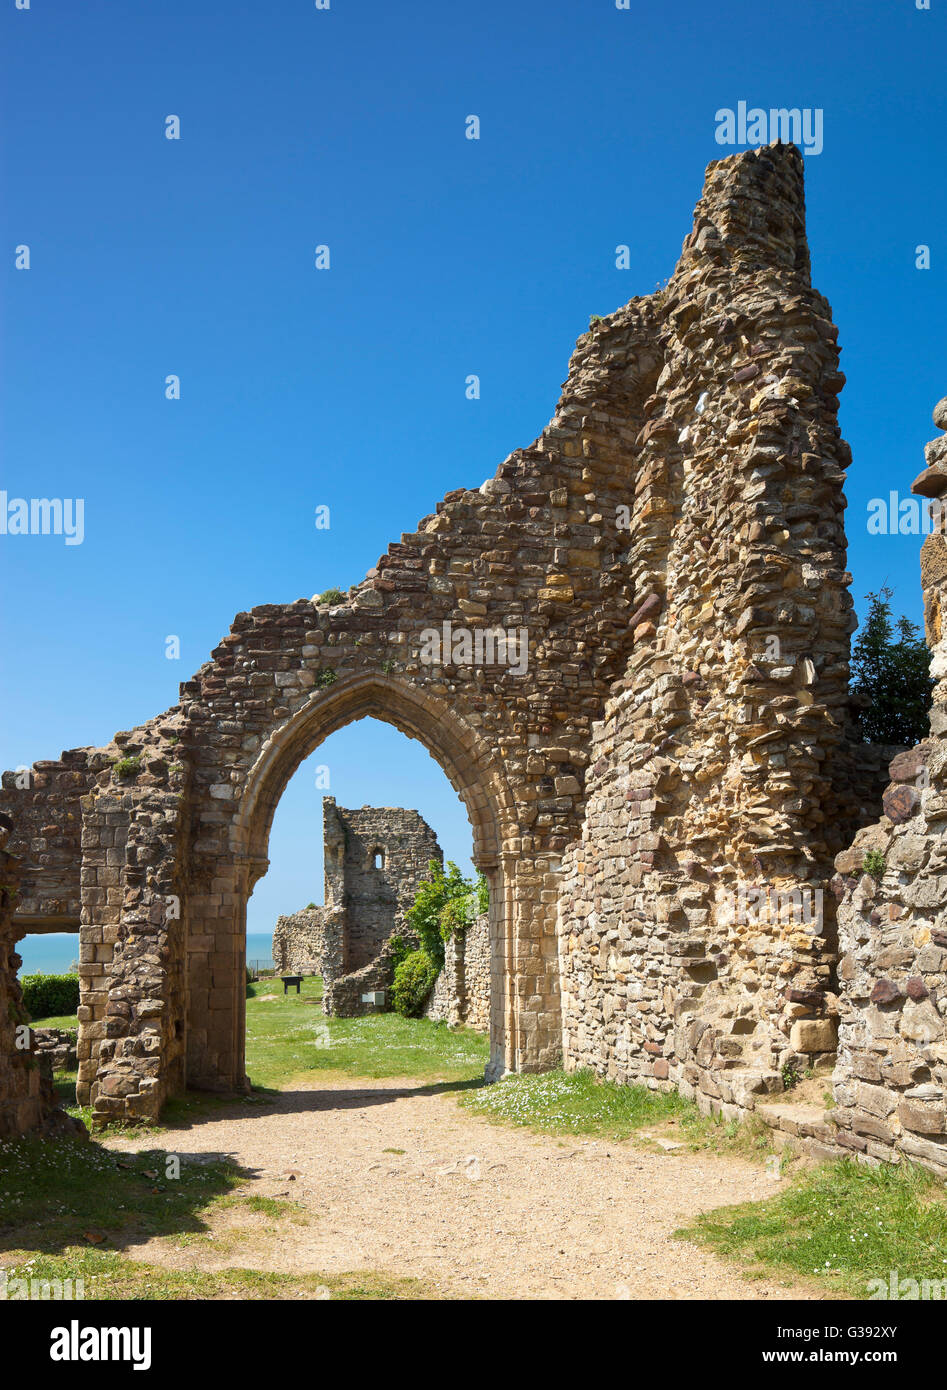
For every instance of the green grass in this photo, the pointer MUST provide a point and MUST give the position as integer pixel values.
(107, 1275)
(558, 1102)
(290, 1037)
(842, 1224)
(56, 1021)
(59, 1192)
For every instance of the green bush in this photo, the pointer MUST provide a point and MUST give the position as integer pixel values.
(126, 768)
(445, 903)
(330, 596)
(45, 996)
(413, 982)
(399, 948)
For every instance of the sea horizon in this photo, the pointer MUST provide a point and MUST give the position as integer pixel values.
(55, 953)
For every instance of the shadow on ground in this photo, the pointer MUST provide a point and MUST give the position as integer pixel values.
(59, 1193)
(198, 1107)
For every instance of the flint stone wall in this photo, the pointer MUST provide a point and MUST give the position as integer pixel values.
(461, 993)
(299, 941)
(890, 1084)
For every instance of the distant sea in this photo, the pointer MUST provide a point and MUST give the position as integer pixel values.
(53, 954)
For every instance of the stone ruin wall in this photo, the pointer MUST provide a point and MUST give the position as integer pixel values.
(130, 900)
(673, 542)
(374, 901)
(461, 993)
(712, 769)
(299, 942)
(364, 905)
(891, 1080)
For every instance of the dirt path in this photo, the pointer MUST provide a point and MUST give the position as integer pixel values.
(473, 1209)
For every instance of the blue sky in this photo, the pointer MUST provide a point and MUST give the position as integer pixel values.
(345, 387)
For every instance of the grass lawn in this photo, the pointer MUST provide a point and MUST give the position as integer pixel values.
(108, 1275)
(842, 1223)
(290, 1037)
(57, 1021)
(558, 1102)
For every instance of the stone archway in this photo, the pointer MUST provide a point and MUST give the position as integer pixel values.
(475, 774)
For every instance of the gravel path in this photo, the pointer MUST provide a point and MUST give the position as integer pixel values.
(474, 1209)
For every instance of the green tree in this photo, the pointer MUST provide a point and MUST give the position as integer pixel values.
(893, 673)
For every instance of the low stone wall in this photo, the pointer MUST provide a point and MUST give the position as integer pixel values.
(461, 993)
(343, 996)
(56, 1048)
(299, 941)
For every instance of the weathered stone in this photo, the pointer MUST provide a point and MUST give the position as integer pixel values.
(900, 803)
(930, 482)
(907, 766)
(813, 1035)
(923, 1117)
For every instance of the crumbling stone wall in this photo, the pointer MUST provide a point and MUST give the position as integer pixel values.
(299, 941)
(890, 1083)
(710, 775)
(374, 899)
(461, 993)
(56, 1049)
(671, 550)
(365, 902)
(344, 995)
(45, 802)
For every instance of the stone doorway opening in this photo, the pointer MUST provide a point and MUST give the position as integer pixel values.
(215, 1050)
(347, 918)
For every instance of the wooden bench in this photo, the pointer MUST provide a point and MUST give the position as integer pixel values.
(291, 980)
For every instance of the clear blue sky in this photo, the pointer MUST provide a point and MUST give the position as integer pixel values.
(345, 387)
